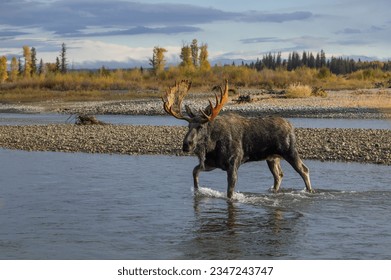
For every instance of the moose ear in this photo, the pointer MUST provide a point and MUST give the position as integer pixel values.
(189, 111)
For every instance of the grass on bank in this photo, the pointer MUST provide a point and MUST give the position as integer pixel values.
(136, 83)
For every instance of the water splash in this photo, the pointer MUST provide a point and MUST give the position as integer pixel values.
(286, 197)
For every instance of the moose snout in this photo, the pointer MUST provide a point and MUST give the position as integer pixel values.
(187, 145)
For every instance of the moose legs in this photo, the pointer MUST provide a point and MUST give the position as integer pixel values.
(196, 173)
(275, 168)
(297, 164)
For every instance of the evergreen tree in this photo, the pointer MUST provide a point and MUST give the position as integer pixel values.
(41, 67)
(63, 64)
(20, 66)
(194, 52)
(304, 59)
(289, 63)
(33, 61)
(317, 61)
(278, 60)
(311, 61)
(58, 65)
(322, 58)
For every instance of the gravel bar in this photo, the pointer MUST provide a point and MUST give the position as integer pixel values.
(349, 145)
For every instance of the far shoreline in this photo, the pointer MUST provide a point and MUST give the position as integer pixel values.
(342, 104)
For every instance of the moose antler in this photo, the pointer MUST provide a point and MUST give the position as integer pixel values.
(214, 111)
(172, 99)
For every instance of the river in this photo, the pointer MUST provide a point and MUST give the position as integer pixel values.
(94, 206)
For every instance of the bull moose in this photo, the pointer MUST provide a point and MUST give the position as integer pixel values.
(228, 140)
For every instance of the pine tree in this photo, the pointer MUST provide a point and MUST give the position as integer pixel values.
(317, 61)
(58, 65)
(304, 59)
(20, 66)
(311, 61)
(278, 60)
(33, 61)
(194, 52)
(323, 61)
(63, 64)
(41, 67)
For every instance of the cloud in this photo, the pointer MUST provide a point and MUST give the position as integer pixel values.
(260, 40)
(299, 43)
(257, 16)
(349, 31)
(72, 17)
(138, 30)
(371, 29)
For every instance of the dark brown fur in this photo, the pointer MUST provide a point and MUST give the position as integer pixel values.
(230, 140)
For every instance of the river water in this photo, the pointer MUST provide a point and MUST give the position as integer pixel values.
(93, 206)
(28, 119)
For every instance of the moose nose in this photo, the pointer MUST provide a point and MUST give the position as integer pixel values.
(186, 147)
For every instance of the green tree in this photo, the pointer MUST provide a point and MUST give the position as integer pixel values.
(14, 69)
(63, 56)
(157, 61)
(20, 66)
(58, 65)
(194, 52)
(33, 61)
(27, 61)
(3, 69)
(41, 67)
(322, 58)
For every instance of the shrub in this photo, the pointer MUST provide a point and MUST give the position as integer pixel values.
(298, 91)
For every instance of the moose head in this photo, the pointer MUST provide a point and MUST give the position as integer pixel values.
(172, 104)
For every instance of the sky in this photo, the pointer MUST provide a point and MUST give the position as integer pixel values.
(123, 33)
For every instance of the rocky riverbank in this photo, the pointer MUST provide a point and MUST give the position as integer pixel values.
(358, 145)
(364, 104)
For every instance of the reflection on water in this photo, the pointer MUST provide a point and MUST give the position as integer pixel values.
(268, 235)
(83, 206)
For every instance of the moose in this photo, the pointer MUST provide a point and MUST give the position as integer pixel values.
(228, 140)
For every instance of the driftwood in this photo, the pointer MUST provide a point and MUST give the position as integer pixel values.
(243, 99)
(88, 120)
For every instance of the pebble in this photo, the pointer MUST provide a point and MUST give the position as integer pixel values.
(328, 144)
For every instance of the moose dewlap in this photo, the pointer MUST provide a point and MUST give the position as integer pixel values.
(229, 140)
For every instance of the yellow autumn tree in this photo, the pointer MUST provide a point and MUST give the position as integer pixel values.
(157, 61)
(27, 61)
(3, 69)
(186, 57)
(204, 62)
(14, 69)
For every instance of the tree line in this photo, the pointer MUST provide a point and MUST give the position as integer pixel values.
(336, 65)
(28, 66)
(192, 57)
